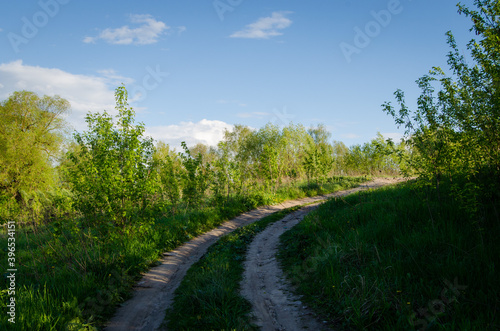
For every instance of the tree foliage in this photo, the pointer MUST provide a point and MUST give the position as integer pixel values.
(110, 173)
(455, 130)
(32, 129)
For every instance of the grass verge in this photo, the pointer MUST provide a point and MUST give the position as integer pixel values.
(71, 276)
(397, 258)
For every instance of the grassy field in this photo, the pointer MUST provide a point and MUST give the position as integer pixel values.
(397, 258)
(72, 276)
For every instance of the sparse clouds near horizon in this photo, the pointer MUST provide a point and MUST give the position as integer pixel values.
(147, 33)
(96, 94)
(265, 27)
(85, 93)
(208, 132)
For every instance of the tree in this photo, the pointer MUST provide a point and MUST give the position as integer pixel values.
(110, 172)
(196, 176)
(168, 168)
(456, 131)
(239, 149)
(32, 129)
(318, 161)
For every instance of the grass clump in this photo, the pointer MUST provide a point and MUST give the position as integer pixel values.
(396, 258)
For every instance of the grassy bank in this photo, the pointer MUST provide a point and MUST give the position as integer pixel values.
(72, 276)
(397, 258)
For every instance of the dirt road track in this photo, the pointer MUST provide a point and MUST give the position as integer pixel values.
(154, 293)
(274, 307)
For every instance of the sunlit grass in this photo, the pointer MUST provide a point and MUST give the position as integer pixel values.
(209, 296)
(72, 274)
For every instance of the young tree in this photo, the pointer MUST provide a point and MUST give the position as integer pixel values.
(239, 149)
(318, 161)
(456, 131)
(168, 168)
(110, 173)
(196, 177)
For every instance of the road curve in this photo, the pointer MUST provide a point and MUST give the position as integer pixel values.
(154, 293)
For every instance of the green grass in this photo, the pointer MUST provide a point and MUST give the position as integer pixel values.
(397, 258)
(209, 298)
(70, 274)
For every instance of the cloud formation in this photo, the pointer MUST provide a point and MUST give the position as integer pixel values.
(96, 94)
(147, 33)
(208, 132)
(265, 27)
(85, 93)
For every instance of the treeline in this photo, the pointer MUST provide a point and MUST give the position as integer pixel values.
(113, 174)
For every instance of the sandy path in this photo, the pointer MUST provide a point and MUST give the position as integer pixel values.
(274, 306)
(154, 293)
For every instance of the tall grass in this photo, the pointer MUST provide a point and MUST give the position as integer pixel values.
(397, 258)
(72, 275)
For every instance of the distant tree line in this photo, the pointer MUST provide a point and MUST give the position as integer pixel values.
(111, 173)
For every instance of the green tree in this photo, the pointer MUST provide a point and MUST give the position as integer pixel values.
(196, 176)
(168, 168)
(295, 143)
(455, 132)
(110, 172)
(239, 149)
(32, 129)
(318, 161)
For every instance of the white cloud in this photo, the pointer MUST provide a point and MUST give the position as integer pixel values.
(265, 27)
(147, 33)
(85, 93)
(208, 132)
(181, 29)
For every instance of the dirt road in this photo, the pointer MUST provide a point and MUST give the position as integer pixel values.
(154, 293)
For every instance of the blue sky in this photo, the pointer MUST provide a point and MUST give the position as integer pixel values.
(195, 68)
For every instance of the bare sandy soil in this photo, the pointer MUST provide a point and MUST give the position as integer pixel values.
(154, 293)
